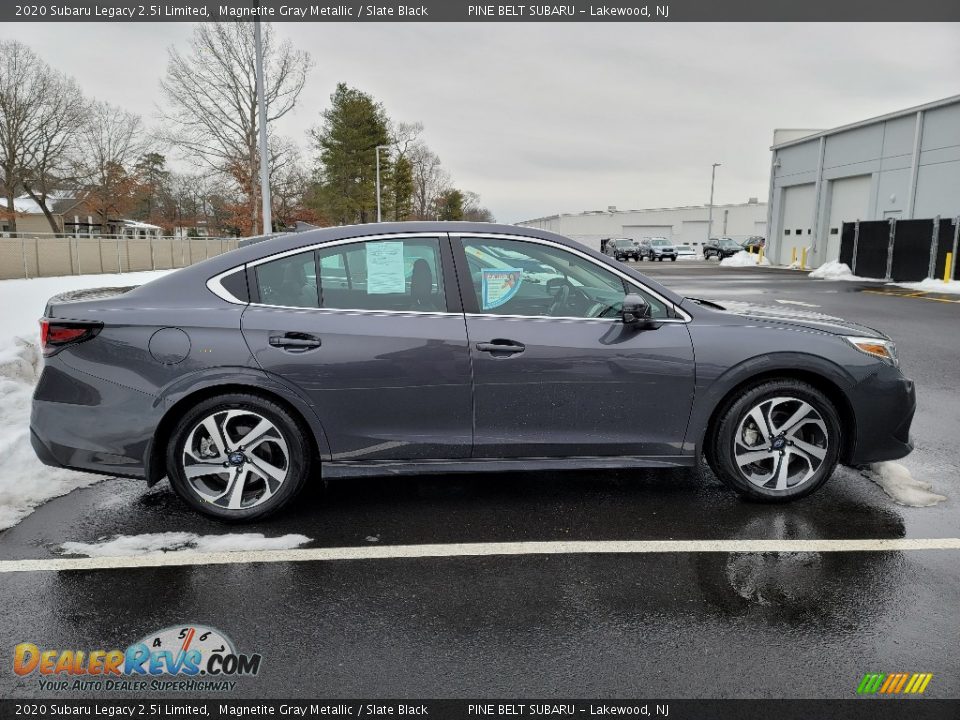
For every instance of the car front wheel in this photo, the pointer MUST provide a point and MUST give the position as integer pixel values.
(778, 441)
(238, 457)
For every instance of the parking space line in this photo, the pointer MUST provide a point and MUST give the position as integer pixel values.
(455, 550)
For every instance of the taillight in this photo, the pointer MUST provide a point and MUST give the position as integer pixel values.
(55, 335)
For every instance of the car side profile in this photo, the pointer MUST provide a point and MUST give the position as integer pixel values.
(721, 248)
(442, 347)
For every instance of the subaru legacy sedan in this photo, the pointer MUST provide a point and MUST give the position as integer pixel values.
(447, 347)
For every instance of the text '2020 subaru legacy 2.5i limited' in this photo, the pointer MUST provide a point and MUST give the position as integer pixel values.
(442, 347)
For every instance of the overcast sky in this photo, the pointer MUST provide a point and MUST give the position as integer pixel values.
(547, 118)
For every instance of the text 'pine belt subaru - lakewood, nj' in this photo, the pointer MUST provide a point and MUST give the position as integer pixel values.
(442, 347)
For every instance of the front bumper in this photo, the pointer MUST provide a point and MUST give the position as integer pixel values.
(884, 409)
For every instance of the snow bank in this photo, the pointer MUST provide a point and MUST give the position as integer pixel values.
(744, 259)
(152, 543)
(897, 482)
(25, 482)
(836, 270)
(932, 285)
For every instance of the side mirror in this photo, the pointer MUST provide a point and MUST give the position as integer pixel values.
(635, 309)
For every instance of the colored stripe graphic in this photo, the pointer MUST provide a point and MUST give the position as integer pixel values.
(894, 683)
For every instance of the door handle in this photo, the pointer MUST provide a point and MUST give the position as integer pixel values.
(499, 346)
(295, 342)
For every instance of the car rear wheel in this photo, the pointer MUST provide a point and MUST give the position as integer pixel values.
(238, 457)
(673, 259)
(776, 442)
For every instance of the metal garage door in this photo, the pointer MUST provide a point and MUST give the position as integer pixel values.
(796, 227)
(849, 201)
(638, 232)
(694, 232)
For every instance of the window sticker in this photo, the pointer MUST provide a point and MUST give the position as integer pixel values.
(499, 285)
(385, 268)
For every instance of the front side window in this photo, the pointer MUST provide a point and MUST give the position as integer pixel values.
(560, 283)
(402, 275)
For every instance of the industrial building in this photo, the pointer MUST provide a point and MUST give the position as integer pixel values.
(904, 165)
(680, 225)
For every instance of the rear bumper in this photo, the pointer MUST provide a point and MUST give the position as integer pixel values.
(884, 411)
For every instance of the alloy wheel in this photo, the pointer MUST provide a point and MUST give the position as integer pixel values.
(235, 459)
(780, 443)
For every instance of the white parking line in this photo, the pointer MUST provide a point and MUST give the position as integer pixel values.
(396, 552)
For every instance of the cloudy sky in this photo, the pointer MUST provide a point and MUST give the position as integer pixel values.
(547, 118)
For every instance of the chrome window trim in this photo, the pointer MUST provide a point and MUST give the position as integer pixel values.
(356, 311)
(684, 317)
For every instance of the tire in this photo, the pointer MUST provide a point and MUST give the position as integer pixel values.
(273, 472)
(673, 259)
(810, 447)
(660, 259)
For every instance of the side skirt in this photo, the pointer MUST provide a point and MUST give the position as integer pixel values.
(368, 468)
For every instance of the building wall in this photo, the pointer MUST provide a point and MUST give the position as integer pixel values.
(901, 166)
(685, 224)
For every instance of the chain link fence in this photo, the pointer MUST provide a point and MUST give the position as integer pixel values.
(37, 255)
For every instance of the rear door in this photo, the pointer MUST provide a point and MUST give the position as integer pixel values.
(372, 331)
(556, 371)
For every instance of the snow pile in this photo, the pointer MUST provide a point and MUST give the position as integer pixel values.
(152, 543)
(836, 270)
(933, 286)
(25, 482)
(744, 259)
(897, 482)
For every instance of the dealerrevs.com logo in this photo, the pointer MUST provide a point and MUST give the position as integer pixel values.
(188, 658)
(894, 683)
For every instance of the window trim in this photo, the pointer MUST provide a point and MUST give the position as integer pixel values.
(460, 254)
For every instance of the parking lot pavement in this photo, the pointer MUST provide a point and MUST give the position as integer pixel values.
(679, 623)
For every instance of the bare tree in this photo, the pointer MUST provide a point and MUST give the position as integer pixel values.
(430, 180)
(110, 144)
(212, 100)
(40, 113)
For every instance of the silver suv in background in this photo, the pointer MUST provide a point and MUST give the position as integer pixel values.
(657, 248)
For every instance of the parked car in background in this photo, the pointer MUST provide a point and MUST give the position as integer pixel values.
(754, 243)
(623, 249)
(721, 248)
(657, 248)
(685, 252)
(420, 347)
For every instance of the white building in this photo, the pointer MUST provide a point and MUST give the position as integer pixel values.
(903, 165)
(680, 225)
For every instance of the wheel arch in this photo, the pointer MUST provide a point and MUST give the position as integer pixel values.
(829, 386)
(183, 399)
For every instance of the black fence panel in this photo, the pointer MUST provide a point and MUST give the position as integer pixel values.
(944, 245)
(872, 245)
(911, 250)
(846, 243)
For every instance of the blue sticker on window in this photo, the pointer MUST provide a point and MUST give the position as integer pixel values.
(499, 285)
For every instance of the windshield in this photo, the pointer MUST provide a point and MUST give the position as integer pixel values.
(727, 242)
(660, 242)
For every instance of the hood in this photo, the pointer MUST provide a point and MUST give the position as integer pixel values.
(800, 318)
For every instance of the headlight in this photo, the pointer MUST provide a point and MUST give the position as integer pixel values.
(878, 347)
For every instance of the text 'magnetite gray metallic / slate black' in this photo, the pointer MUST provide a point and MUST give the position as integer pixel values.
(443, 347)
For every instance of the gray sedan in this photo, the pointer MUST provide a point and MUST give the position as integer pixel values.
(443, 347)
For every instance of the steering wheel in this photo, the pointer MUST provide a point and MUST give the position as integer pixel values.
(559, 299)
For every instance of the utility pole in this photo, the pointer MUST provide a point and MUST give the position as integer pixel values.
(713, 174)
(264, 152)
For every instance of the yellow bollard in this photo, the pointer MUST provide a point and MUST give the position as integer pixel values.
(750, 249)
(793, 256)
(760, 256)
(946, 267)
(803, 259)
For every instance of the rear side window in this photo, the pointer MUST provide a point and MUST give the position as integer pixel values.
(289, 282)
(401, 275)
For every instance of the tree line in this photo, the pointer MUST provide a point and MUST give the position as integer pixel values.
(56, 142)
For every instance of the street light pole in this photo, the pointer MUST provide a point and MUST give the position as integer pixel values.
(264, 153)
(713, 174)
(379, 148)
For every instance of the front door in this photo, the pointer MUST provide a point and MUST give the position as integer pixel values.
(364, 329)
(556, 372)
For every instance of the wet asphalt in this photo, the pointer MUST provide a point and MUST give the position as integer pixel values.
(669, 625)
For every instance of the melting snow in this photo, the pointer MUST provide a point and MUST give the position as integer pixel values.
(151, 543)
(899, 484)
(933, 286)
(744, 259)
(836, 270)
